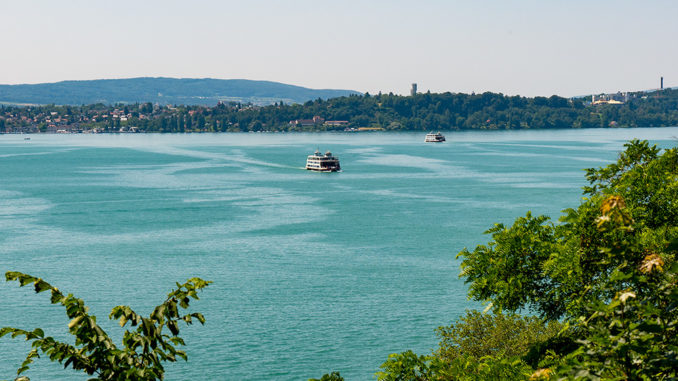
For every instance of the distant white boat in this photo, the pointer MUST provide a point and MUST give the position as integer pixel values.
(434, 138)
(322, 163)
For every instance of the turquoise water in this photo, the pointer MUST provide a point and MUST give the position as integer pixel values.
(313, 272)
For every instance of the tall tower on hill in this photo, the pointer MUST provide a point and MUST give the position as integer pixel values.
(413, 91)
(661, 83)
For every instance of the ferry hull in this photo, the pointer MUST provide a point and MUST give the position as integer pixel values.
(324, 169)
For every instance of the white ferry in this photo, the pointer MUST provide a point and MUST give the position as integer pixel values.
(434, 138)
(322, 163)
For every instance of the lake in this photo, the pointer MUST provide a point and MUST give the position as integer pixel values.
(313, 272)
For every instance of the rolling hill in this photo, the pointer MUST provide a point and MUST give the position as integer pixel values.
(188, 91)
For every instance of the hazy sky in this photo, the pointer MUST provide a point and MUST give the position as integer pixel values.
(529, 48)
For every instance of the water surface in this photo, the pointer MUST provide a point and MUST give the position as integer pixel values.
(312, 272)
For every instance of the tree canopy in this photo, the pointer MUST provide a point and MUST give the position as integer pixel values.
(606, 271)
(630, 213)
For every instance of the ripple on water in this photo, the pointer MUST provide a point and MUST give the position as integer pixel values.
(312, 272)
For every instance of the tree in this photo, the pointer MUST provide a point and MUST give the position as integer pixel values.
(500, 335)
(143, 350)
(608, 269)
(477, 347)
(408, 366)
(604, 277)
(542, 266)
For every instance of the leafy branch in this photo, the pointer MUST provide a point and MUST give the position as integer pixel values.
(143, 350)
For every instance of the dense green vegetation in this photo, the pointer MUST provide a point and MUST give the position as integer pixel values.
(143, 349)
(602, 283)
(189, 91)
(421, 112)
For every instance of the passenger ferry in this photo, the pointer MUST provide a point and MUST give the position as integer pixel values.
(322, 163)
(434, 138)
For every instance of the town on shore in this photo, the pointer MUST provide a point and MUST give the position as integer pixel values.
(389, 112)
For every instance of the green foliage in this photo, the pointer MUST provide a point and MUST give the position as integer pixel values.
(607, 271)
(635, 334)
(509, 270)
(408, 366)
(421, 112)
(555, 270)
(334, 376)
(476, 347)
(630, 337)
(144, 348)
(497, 335)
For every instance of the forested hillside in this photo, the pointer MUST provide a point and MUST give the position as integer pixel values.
(189, 91)
(420, 112)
